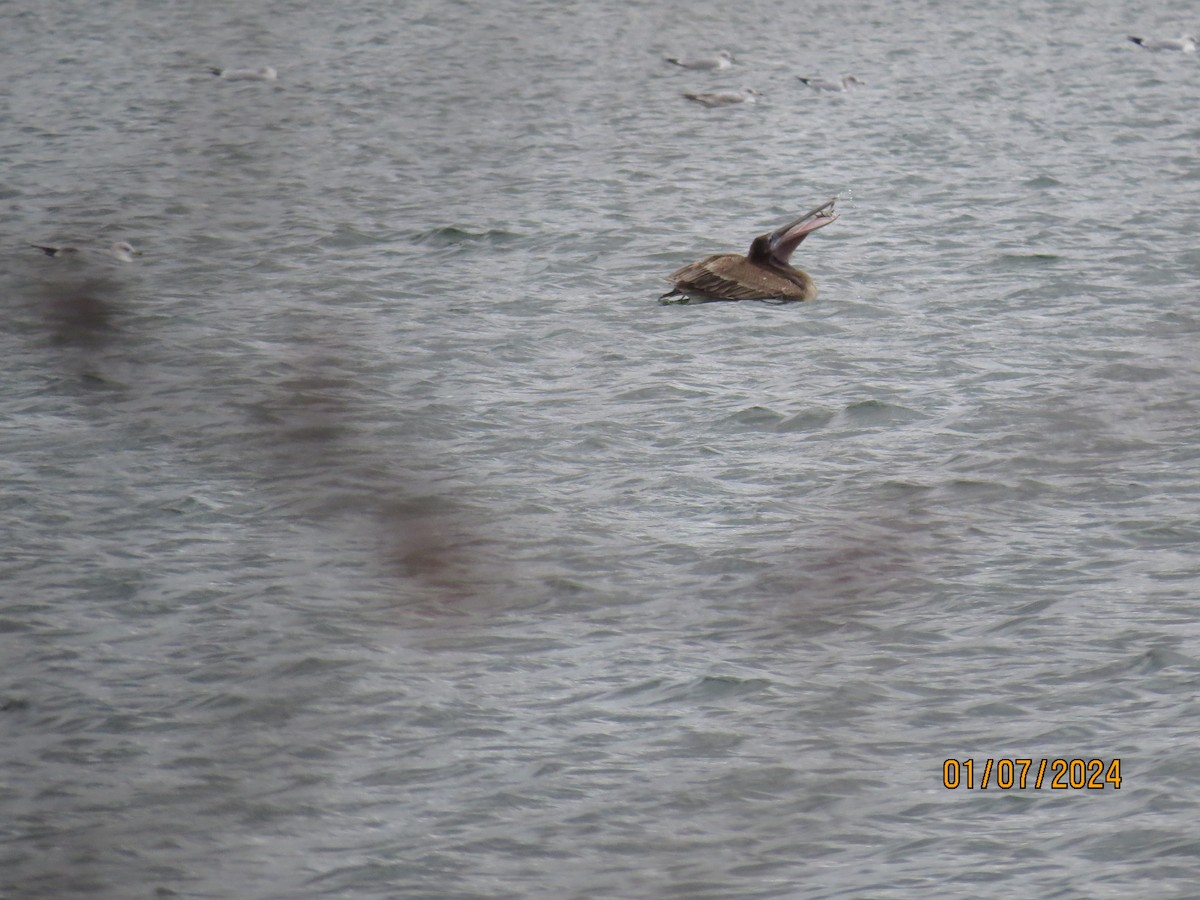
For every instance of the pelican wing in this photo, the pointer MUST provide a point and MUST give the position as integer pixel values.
(710, 277)
(727, 276)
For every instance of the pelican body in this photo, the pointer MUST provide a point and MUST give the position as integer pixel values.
(764, 273)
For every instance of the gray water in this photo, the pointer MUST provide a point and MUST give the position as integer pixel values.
(377, 534)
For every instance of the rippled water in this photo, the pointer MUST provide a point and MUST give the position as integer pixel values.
(377, 534)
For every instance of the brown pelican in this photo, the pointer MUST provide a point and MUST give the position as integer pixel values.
(762, 274)
(843, 84)
(725, 98)
(1185, 44)
(120, 251)
(723, 60)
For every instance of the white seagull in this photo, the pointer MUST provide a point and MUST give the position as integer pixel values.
(262, 73)
(722, 60)
(121, 251)
(725, 98)
(819, 84)
(1185, 44)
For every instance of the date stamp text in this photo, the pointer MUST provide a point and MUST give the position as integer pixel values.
(1021, 774)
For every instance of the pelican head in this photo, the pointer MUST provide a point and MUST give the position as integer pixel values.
(777, 247)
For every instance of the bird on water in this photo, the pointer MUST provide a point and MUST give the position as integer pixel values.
(262, 73)
(845, 83)
(1185, 44)
(764, 273)
(121, 251)
(723, 59)
(725, 98)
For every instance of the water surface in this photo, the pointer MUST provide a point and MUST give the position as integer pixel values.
(378, 535)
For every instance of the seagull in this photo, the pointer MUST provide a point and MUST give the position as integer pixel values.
(725, 98)
(1185, 44)
(722, 60)
(120, 251)
(262, 73)
(818, 84)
